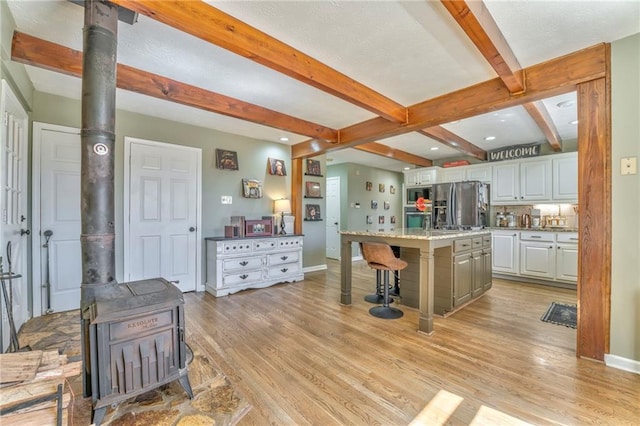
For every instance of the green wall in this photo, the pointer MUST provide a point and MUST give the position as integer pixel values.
(625, 239)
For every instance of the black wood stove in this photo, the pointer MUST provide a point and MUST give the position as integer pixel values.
(137, 341)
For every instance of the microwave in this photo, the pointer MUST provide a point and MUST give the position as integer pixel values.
(412, 194)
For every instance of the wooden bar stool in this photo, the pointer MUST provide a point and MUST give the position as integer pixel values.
(380, 257)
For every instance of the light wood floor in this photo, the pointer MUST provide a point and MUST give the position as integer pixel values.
(299, 357)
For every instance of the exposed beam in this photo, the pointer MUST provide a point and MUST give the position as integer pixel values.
(551, 78)
(541, 116)
(210, 24)
(448, 138)
(476, 21)
(44, 54)
(396, 154)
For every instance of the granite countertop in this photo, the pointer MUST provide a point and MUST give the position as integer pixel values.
(420, 234)
(519, 228)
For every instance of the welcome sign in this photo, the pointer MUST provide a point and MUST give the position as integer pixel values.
(514, 151)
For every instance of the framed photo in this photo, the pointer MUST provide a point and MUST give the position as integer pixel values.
(312, 212)
(369, 220)
(276, 167)
(226, 160)
(313, 190)
(381, 187)
(374, 204)
(368, 186)
(392, 219)
(387, 205)
(313, 168)
(392, 189)
(380, 220)
(251, 188)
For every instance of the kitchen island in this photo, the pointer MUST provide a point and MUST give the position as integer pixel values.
(461, 259)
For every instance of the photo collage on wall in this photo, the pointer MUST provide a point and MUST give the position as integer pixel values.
(382, 221)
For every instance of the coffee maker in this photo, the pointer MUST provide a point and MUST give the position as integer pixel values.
(536, 218)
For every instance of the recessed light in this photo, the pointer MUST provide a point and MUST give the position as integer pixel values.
(489, 138)
(573, 122)
(284, 139)
(453, 143)
(407, 168)
(565, 104)
(454, 122)
(434, 148)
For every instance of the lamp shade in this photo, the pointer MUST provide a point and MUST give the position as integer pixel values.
(282, 206)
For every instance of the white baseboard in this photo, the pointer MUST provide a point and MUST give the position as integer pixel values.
(314, 268)
(621, 363)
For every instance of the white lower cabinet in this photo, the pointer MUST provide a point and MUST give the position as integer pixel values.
(241, 263)
(549, 256)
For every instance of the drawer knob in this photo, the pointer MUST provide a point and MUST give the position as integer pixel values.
(284, 257)
(244, 276)
(244, 263)
(284, 269)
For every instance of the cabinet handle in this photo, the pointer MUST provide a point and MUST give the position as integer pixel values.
(244, 263)
(550, 246)
(244, 276)
(284, 269)
(573, 239)
(284, 257)
(536, 236)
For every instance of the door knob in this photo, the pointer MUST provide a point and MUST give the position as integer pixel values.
(25, 232)
(192, 229)
(335, 223)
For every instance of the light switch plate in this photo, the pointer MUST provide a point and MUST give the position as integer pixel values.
(628, 166)
(226, 199)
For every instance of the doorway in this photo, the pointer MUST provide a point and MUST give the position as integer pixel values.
(162, 205)
(333, 218)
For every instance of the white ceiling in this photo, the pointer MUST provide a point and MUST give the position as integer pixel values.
(409, 51)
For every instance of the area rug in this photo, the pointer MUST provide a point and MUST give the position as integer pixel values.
(561, 314)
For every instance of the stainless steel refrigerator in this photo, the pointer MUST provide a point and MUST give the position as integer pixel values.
(460, 205)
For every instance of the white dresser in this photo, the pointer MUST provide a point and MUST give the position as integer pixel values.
(235, 264)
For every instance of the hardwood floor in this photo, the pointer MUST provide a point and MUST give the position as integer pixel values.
(299, 357)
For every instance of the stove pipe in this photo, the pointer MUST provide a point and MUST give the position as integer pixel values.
(97, 171)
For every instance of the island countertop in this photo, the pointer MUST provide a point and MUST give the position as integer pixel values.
(420, 234)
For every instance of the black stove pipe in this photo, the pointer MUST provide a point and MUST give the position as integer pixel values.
(97, 171)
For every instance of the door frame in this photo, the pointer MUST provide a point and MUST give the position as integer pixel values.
(36, 250)
(333, 179)
(128, 142)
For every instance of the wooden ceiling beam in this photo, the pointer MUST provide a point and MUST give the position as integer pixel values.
(550, 78)
(44, 54)
(478, 24)
(396, 154)
(541, 116)
(454, 141)
(214, 26)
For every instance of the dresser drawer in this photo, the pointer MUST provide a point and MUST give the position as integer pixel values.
(265, 245)
(236, 247)
(283, 270)
(242, 263)
(287, 242)
(242, 277)
(281, 258)
(567, 237)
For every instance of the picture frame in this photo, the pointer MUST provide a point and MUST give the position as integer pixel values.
(368, 186)
(380, 220)
(277, 167)
(381, 187)
(312, 212)
(369, 220)
(392, 189)
(251, 188)
(387, 205)
(226, 159)
(313, 190)
(392, 219)
(374, 204)
(313, 168)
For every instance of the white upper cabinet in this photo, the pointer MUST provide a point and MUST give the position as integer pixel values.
(521, 181)
(422, 176)
(453, 174)
(479, 172)
(565, 177)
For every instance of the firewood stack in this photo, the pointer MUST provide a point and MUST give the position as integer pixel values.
(34, 388)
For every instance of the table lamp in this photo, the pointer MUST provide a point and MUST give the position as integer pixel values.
(282, 206)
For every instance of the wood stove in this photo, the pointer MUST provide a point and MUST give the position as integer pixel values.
(137, 341)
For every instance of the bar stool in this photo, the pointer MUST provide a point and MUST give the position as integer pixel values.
(380, 257)
(378, 296)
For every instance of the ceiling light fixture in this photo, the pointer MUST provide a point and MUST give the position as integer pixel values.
(434, 148)
(489, 138)
(573, 122)
(565, 104)
(284, 139)
(407, 168)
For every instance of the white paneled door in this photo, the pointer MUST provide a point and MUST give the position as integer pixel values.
(333, 218)
(57, 256)
(14, 232)
(164, 210)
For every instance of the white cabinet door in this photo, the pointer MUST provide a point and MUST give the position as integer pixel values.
(567, 262)
(535, 180)
(423, 176)
(481, 173)
(453, 174)
(537, 259)
(505, 183)
(505, 251)
(565, 178)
